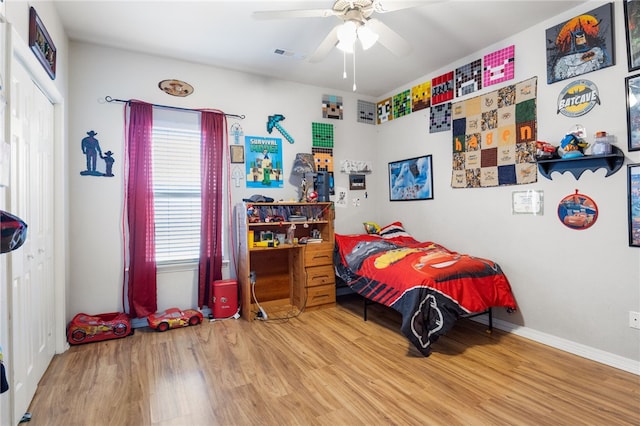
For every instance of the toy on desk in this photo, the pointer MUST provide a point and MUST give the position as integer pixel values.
(174, 318)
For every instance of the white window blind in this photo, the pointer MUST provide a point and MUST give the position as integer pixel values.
(176, 184)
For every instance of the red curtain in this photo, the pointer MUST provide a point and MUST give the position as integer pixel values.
(213, 130)
(141, 283)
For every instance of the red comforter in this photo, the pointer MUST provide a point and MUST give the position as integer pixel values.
(428, 284)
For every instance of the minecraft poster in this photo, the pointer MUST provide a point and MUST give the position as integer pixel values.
(263, 162)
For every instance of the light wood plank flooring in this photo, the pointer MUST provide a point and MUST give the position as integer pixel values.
(329, 367)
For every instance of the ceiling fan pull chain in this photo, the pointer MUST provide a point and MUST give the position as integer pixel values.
(354, 69)
(344, 65)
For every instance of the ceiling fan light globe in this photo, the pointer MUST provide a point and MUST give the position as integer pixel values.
(345, 47)
(367, 37)
(347, 32)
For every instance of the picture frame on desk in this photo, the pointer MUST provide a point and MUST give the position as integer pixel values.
(41, 44)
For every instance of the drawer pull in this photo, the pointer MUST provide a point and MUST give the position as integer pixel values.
(320, 276)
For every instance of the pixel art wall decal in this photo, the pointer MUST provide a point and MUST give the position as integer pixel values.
(442, 88)
(440, 118)
(469, 78)
(366, 112)
(323, 158)
(421, 96)
(499, 66)
(332, 107)
(273, 122)
(402, 104)
(385, 111)
(322, 135)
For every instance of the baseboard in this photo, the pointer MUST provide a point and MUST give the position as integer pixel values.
(569, 346)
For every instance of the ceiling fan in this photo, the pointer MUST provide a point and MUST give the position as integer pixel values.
(357, 25)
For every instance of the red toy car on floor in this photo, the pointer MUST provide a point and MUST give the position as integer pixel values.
(85, 328)
(174, 318)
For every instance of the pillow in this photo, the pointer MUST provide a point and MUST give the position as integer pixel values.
(393, 230)
(371, 227)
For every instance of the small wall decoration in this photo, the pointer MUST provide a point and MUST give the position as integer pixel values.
(580, 45)
(323, 159)
(41, 44)
(633, 195)
(402, 104)
(237, 133)
(442, 88)
(499, 66)
(411, 179)
(237, 153)
(263, 162)
(440, 118)
(577, 211)
(632, 33)
(385, 110)
(421, 96)
(332, 107)
(322, 135)
(527, 202)
(176, 88)
(469, 78)
(91, 149)
(494, 138)
(578, 98)
(633, 111)
(274, 123)
(366, 112)
(355, 166)
(357, 182)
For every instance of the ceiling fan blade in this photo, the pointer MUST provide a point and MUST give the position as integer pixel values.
(286, 14)
(384, 6)
(389, 38)
(325, 47)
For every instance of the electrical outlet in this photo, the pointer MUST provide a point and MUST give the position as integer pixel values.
(634, 319)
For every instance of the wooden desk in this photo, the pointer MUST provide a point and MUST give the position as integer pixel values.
(288, 276)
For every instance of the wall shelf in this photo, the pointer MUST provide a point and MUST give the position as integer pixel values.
(576, 166)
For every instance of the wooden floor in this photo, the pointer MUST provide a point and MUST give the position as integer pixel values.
(329, 368)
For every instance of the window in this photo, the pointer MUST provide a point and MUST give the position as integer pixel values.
(176, 185)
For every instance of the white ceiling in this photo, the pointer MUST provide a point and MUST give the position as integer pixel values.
(224, 34)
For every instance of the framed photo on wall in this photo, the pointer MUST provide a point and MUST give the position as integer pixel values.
(632, 85)
(237, 153)
(580, 45)
(632, 32)
(411, 179)
(633, 195)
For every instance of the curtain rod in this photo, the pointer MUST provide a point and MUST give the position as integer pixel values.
(110, 99)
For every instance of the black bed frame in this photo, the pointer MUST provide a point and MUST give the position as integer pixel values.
(343, 289)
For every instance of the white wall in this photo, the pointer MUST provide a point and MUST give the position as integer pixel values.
(96, 203)
(576, 286)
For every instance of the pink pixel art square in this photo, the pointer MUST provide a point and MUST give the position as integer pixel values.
(499, 66)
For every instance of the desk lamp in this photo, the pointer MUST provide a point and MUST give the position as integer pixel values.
(304, 166)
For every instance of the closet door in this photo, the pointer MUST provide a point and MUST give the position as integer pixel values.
(31, 292)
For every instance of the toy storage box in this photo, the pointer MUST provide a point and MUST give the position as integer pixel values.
(224, 297)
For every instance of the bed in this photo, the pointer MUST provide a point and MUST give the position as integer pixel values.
(430, 285)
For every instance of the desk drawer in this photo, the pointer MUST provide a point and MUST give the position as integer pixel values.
(321, 295)
(321, 275)
(318, 254)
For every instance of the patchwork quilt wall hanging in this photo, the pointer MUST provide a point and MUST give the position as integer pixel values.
(494, 137)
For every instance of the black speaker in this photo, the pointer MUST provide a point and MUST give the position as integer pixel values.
(321, 185)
